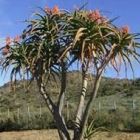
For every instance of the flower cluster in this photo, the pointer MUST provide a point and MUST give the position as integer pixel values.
(125, 29)
(5, 50)
(55, 10)
(96, 16)
(16, 39)
(8, 42)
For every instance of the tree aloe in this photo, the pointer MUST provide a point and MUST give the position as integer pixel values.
(97, 43)
(54, 40)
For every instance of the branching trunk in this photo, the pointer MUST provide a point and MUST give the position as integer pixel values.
(59, 118)
(60, 123)
(61, 98)
(94, 93)
(61, 126)
(81, 105)
(46, 97)
(56, 109)
(89, 106)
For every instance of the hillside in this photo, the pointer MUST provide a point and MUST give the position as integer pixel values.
(109, 87)
(26, 109)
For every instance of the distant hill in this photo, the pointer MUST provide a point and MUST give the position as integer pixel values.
(116, 107)
(109, 86)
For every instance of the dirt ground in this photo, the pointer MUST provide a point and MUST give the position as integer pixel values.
(52, 135)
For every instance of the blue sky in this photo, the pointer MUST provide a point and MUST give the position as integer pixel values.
(14, 12)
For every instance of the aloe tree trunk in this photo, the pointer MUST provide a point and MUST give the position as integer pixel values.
(60, 123)
(94, 92)
(61, 100)
(89, 106)
(61, 97)
(81, 105)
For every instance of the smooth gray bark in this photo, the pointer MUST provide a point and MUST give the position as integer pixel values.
(60, 123)
(94, 92)
(61, 98)
(61, 126)
(81, 105)
(60, 104)
(89, 106)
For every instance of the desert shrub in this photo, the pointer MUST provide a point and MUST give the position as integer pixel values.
(24, 122)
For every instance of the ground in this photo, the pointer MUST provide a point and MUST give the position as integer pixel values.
(52, 135)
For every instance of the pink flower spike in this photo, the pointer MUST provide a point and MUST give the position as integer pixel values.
(55, 10)
(125, 29)
(17, 39)
(8, 40)
(94, 15)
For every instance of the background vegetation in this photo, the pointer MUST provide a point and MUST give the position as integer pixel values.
(117, 106)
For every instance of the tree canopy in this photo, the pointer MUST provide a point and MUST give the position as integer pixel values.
(55, 39)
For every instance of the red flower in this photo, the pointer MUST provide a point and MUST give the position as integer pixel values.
(17, 39)
(94, 15)
(125, 29)
(55, 10)
(8, 40)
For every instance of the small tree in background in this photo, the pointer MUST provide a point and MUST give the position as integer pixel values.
(56, 39)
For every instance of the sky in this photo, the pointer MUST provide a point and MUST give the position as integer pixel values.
(13, 13)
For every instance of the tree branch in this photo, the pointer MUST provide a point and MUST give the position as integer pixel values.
(46, 96)
(94, 92)
(88, 107)
(81, 105)
(61, 97)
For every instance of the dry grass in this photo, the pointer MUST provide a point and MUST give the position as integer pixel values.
(30, 135)
(117, 136)
(52, 135)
